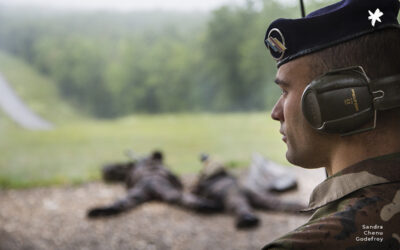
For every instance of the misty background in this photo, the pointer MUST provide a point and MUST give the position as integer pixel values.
(183, 77)
(113, 59)
(112, 79)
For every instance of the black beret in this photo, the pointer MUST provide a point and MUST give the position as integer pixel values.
(288, 39)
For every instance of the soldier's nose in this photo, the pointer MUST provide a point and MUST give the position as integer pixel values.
(277, 111)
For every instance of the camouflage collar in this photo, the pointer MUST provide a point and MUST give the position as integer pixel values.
(379, 170)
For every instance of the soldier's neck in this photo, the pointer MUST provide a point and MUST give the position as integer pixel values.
(357, 149)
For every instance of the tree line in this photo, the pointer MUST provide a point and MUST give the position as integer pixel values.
(111, 64)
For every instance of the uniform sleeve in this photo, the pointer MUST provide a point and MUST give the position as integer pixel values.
(326, 233)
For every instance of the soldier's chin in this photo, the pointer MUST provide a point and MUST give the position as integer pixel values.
(299, 159)
(290, 158)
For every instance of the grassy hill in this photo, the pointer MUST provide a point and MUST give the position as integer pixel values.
(74, 151)
(38, 91)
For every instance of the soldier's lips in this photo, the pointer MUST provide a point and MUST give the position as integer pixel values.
(283, 137)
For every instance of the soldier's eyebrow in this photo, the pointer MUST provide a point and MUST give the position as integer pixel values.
(281, 82)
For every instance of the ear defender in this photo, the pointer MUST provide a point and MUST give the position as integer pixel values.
(339, 101)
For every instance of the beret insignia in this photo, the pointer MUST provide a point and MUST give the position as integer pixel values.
(276, 43)
(288, 39)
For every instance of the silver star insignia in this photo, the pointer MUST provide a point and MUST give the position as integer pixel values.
(375, 16)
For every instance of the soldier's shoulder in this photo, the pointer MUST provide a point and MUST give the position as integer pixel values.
(365, 219)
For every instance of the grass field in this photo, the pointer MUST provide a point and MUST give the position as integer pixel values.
(74, 151)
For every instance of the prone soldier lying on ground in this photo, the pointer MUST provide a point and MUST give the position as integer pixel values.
(215, 183)
(147, 179)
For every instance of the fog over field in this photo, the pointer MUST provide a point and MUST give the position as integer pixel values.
(126, 5)
(129, 5)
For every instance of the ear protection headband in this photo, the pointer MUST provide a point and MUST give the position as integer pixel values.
(343, 100)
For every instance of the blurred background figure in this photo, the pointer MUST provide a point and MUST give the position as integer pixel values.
(147, 179)
(216, 183)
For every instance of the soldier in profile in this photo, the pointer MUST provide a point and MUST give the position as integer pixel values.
(147, 179)
(339, 71)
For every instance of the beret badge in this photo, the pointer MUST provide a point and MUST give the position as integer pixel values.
(329, 26)
(276, 44)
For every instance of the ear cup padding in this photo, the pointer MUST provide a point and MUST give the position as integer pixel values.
(349, 123)
(310, 107)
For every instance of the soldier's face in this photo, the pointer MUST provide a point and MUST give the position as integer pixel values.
(305, 146)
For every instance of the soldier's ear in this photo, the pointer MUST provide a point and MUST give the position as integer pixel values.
(157, 155)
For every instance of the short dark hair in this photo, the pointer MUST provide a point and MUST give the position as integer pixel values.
(378, 53)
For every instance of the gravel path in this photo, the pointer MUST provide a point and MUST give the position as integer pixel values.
(54, 218)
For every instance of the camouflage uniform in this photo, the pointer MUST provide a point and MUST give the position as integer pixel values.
(217, 184)
(357, 208)
(223, 188)
(146, 180)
